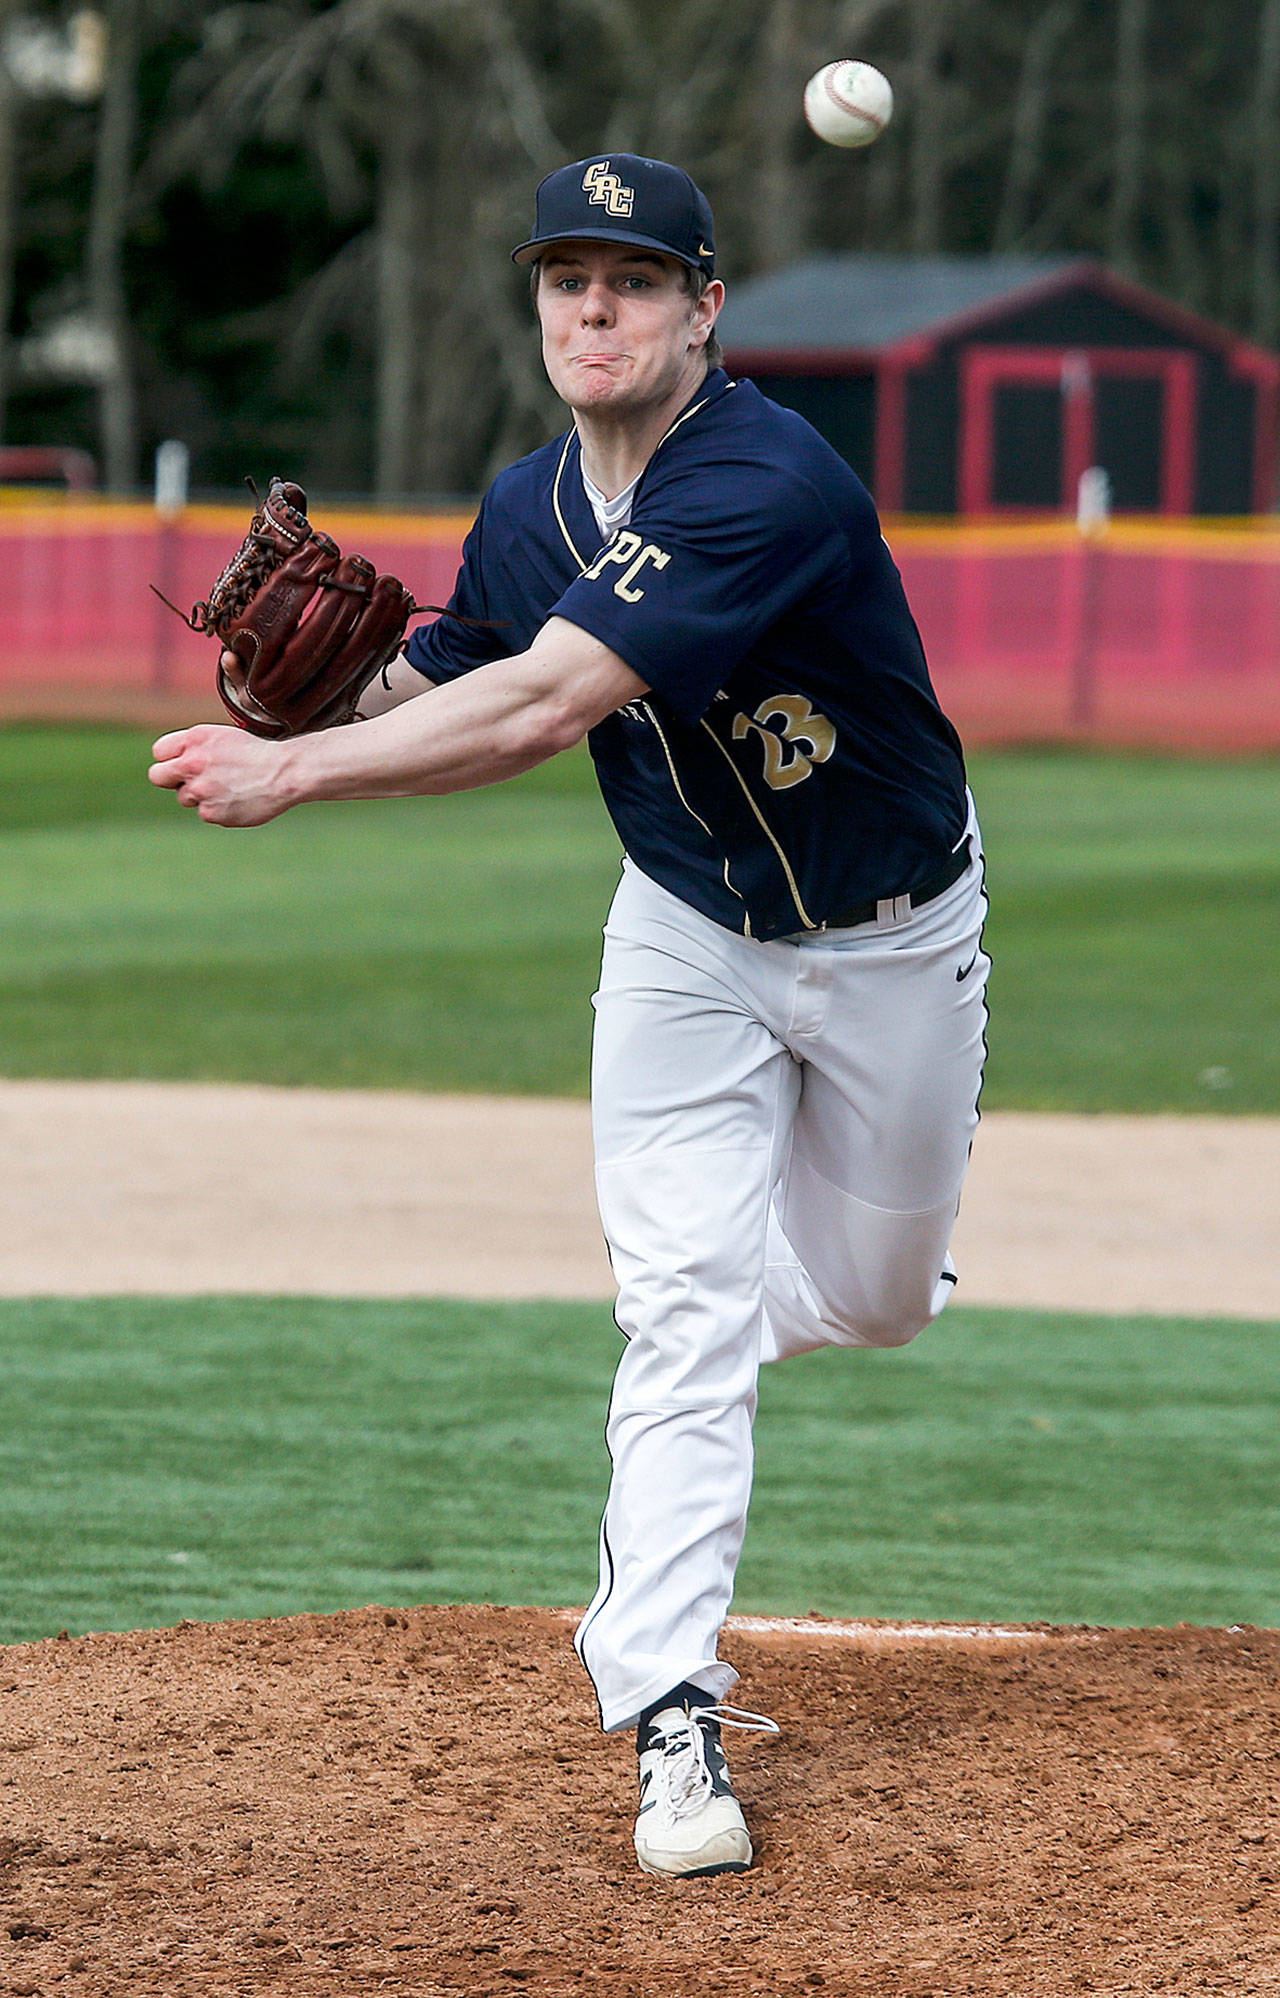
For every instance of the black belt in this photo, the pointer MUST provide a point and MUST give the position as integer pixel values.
(928, 891)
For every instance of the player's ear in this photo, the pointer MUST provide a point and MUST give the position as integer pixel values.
(705, 312)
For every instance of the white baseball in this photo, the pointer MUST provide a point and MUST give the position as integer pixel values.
(848, 103)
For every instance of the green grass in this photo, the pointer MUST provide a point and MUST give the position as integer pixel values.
(453, 943)
(434, 943)
(1134, 932)
(243, 1457)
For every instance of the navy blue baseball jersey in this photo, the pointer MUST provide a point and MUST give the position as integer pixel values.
(790, 762)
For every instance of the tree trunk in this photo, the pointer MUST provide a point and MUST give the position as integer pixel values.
(1029, 115)
(8, 203)
(458, 384)
(1130, 131)
(780, 222)
(1266, 176)
(930, 21)
(400, 193)
(1182, 257)
(112, 176)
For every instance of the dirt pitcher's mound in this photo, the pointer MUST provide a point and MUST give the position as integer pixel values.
(418, 1801)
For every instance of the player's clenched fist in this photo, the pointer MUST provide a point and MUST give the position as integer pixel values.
(228, 777)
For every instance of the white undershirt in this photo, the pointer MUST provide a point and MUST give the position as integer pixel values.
(611, 514)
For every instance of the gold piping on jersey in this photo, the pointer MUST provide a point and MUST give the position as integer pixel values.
(564, 455)
(679, 420)
(555, 500)
(765, 828)
(666, 751)
(685, 802)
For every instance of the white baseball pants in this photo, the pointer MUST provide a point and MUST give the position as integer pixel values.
(781, 1134)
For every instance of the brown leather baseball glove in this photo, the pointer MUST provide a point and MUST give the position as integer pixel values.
(309, 626)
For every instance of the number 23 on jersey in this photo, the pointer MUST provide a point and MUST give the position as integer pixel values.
(790, 750)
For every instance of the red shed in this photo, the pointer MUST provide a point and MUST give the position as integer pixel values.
(989, 384)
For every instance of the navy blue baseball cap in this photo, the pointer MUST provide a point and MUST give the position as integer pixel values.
(621, 198)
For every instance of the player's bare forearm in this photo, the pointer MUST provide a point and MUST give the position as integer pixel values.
(479, 729)
(490, 724)
(396, 683)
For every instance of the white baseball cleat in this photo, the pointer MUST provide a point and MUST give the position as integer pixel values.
(690, 1823)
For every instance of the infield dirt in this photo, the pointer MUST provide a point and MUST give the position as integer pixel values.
(418, 1801)
(172, 1187)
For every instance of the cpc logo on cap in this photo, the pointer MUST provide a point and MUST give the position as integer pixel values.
(603, 186)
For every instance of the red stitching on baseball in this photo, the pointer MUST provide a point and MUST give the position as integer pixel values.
(847, 104)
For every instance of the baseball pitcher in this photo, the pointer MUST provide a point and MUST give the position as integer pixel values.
(789, 1029)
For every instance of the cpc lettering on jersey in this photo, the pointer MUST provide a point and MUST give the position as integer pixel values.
(603, 186)
(632, 553)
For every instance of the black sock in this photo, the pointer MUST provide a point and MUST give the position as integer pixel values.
(684, 1695)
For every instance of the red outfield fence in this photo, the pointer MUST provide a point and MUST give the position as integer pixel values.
(1149, 632)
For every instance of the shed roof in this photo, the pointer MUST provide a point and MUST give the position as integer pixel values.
(871, 302)
(863, 307)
